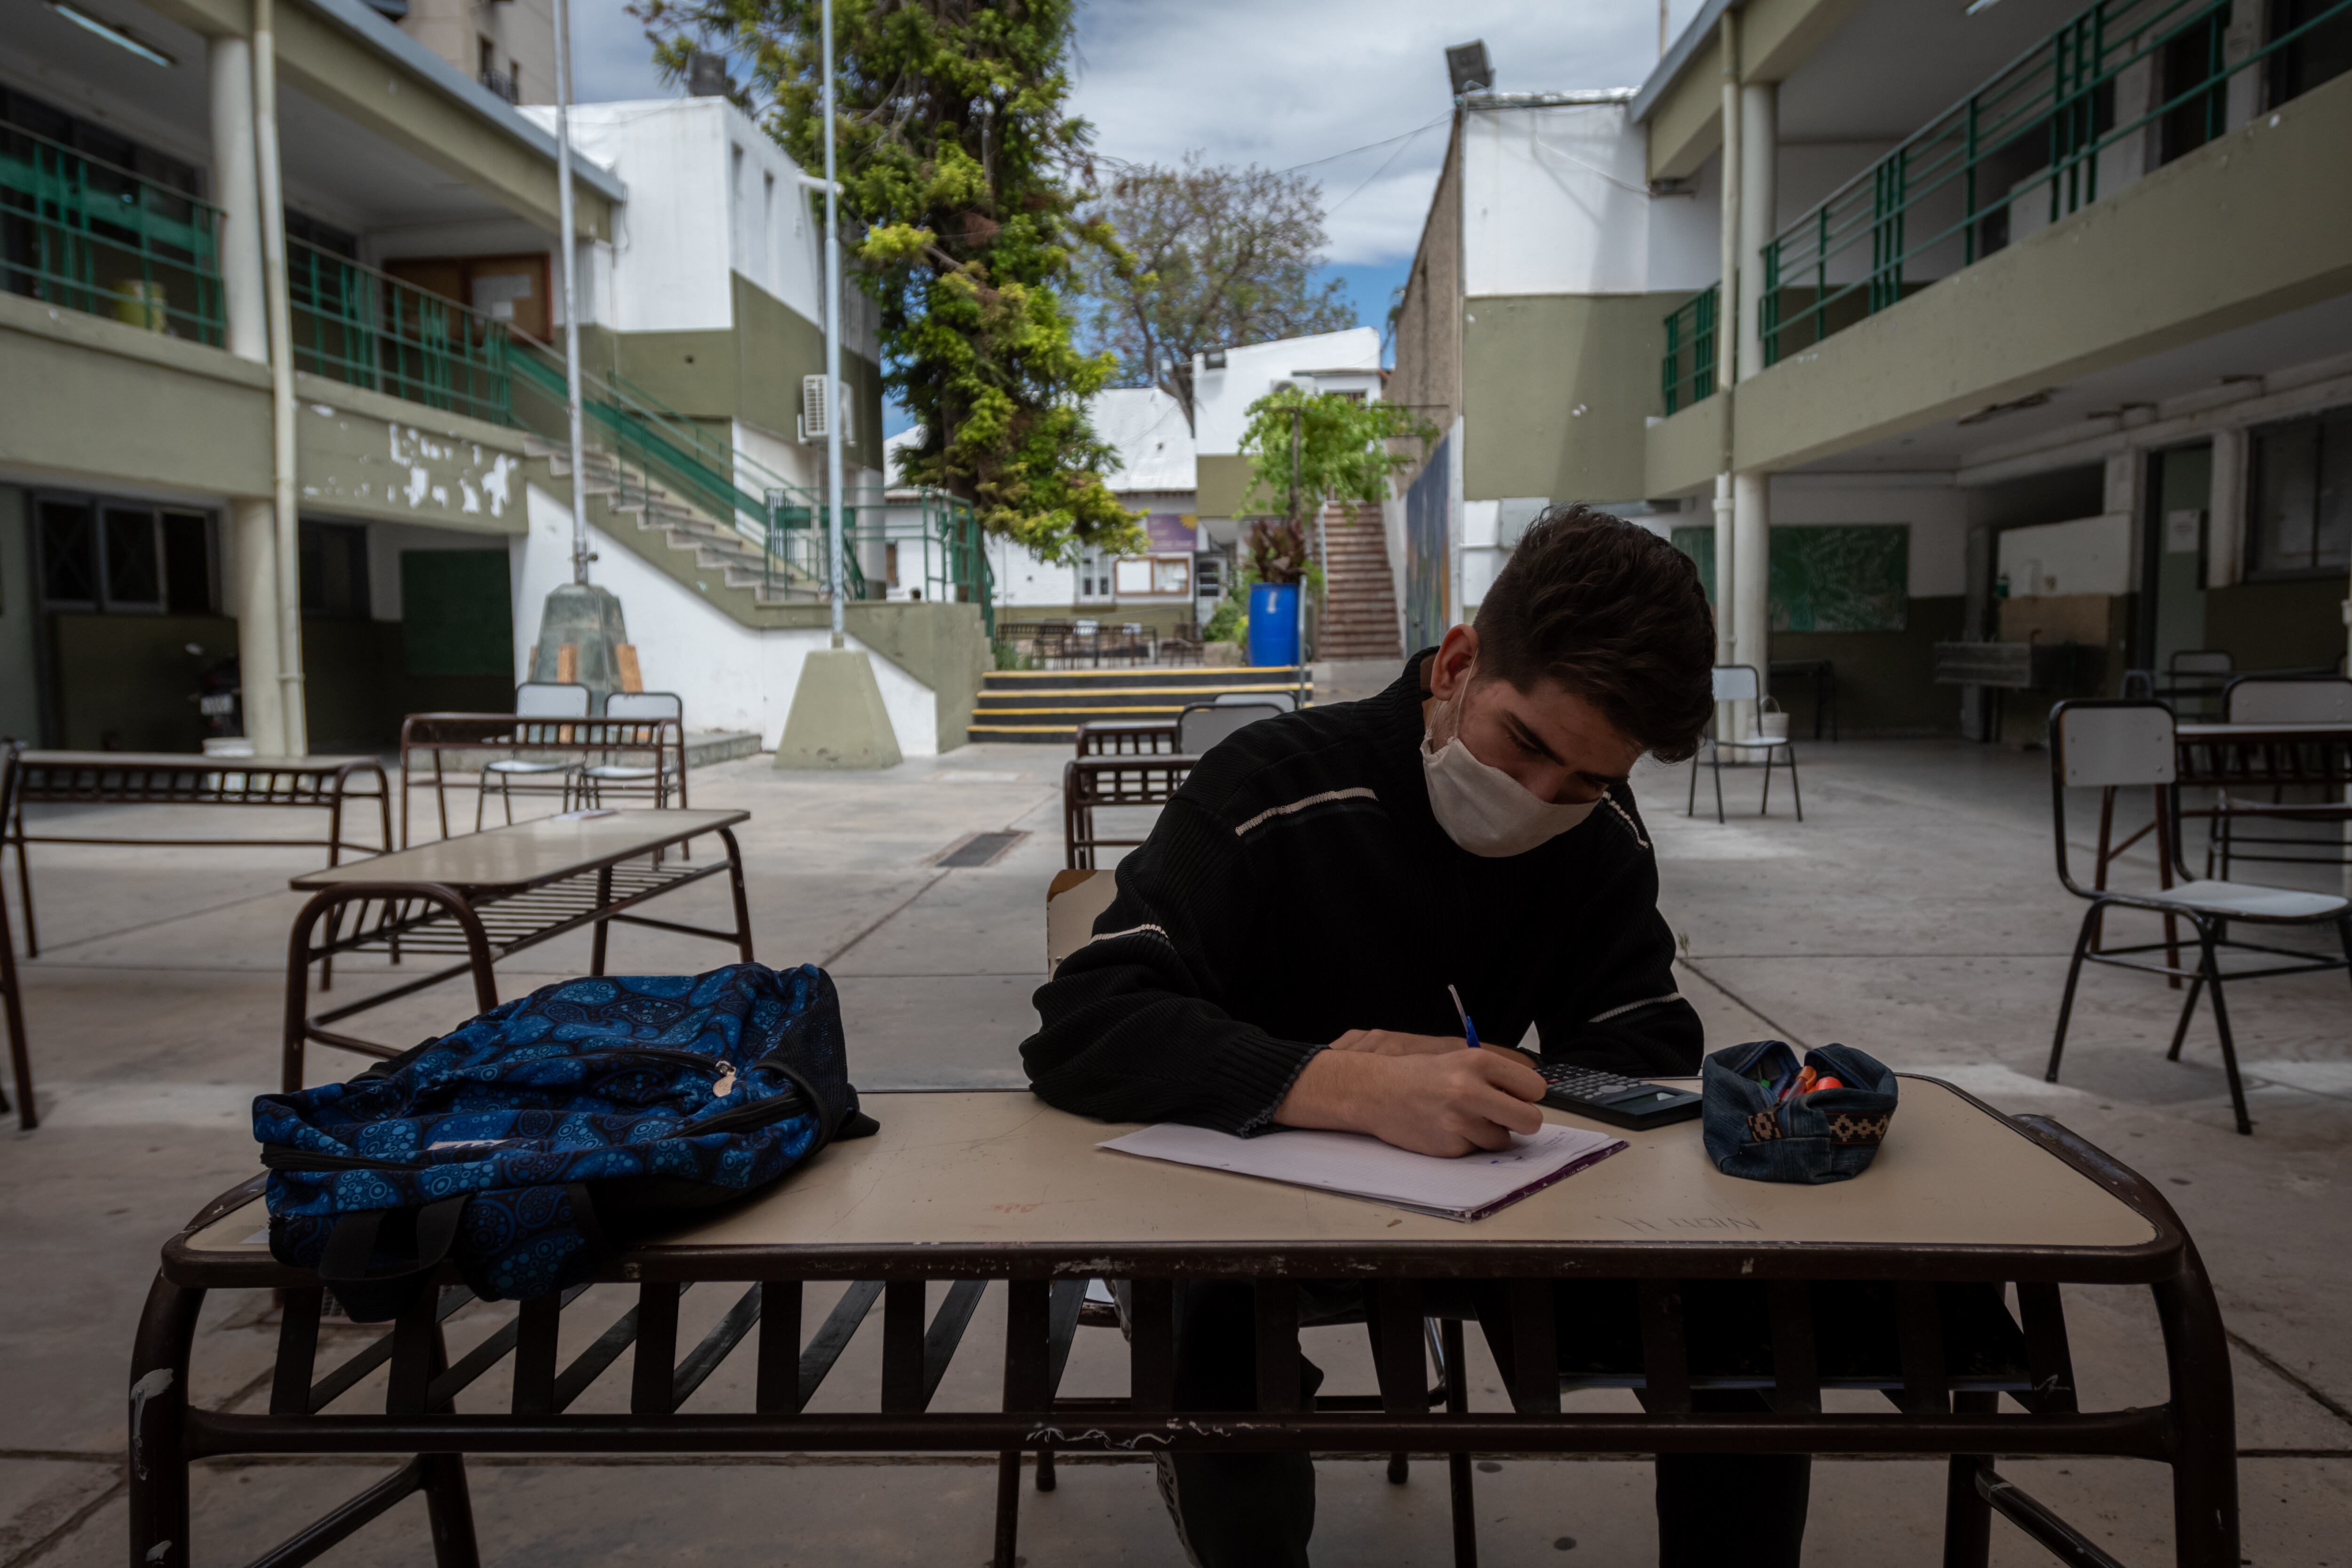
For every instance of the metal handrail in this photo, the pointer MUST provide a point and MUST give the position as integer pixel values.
(2062, 94)
(1686, 374)
(76, 215)
(365, 328)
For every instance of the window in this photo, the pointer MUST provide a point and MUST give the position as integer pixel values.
(2301, 493)
(2189, 58)
(334, 571)
(1094, 576)
(134, 558)
(2312, 58)
(123, 556)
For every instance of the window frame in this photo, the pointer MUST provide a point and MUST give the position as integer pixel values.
(2337, 420)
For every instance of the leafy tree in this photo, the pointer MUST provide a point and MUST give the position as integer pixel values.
(962, 177)
(1222, 256)
(1342, 454)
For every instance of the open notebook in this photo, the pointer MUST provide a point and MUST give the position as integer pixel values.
(1471, 1188)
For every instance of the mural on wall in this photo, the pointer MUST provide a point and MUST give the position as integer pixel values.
(1842, 578)
(1427, 535)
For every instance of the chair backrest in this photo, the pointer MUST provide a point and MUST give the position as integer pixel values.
(1072, 903)
(2251, 699)
(1204, 724)
(2201, 662)
(2096, 744)
(551, 700)
(1282, 699)
(645, 705)
(1737, 683)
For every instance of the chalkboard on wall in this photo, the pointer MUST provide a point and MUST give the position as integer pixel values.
(1848, 577)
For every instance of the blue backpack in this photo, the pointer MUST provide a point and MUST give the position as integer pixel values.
(527, 1144)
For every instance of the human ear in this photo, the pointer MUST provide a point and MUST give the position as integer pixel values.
(1450, 667)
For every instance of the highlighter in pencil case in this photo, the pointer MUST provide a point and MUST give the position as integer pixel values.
(1752, 1130)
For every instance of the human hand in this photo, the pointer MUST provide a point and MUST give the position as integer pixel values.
(1432, 1103)
(1396, 1043)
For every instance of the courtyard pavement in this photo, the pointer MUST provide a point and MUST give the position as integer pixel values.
(1915, 914)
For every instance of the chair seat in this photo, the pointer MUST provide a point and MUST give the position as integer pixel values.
(612, 771)
(518, 765)
(1755, 742)
(2250, 900)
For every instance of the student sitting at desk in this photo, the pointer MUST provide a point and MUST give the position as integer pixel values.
(1279, 951)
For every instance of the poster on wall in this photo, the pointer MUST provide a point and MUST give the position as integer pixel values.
(1172, 533)
(1841, 578)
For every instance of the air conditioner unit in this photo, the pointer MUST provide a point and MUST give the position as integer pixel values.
(816, 408)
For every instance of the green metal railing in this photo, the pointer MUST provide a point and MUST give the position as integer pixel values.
(363, 328)
(86, 236)
(2028, 143)
(1687, 372)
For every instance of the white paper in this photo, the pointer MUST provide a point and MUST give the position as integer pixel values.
(1361, 1166)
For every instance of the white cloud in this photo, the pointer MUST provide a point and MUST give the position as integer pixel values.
(1281, 84)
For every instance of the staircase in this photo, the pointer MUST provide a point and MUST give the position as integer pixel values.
(1359, 606)
(673, 525)
(1046, 706)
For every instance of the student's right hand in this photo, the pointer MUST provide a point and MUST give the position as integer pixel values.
(1432, 1103)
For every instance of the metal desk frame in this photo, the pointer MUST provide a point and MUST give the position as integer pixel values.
(138, 778)
(1936, 1412)
(1092, 782)
(485, 922)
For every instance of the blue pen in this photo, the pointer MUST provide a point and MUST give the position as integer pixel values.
(1469, 1030)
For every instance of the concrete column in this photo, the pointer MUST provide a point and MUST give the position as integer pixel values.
(1759, 156)
(231, 65)
(249, 564)
(2241, 38)
(269, 187)
(1727, 355)
(1751, 496)
(2225, 529)
(1726, 651)
(250, 576)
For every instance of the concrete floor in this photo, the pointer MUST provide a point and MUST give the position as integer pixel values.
(1914, 913)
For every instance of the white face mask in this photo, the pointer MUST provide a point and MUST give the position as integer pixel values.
(1486, 810)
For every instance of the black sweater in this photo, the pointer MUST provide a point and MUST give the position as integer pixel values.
(1298, 887)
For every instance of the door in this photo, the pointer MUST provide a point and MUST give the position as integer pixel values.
(2172, 558)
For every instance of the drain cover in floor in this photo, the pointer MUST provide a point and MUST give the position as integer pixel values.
(980, 849)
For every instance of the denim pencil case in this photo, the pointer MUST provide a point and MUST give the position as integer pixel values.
(1827, 1135)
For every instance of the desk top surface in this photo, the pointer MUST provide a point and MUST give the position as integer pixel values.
(543, 850)
(992, 1172)
(195, 761)
(2312, 731)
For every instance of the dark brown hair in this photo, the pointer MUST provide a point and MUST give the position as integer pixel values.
(1615, 615)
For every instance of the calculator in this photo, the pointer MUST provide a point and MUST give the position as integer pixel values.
(1615, 1099)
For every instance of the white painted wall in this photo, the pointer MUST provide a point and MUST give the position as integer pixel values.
(710, 195)
(730, 676)
(1221, 397)
(2087, 555)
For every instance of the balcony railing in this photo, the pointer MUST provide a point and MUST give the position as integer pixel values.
(2025, 150)
(1687, 372)
(86, 236)
(498, 82)
(359, 326)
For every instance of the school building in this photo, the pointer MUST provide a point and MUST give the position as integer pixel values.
(145, 437)
(1917, 325)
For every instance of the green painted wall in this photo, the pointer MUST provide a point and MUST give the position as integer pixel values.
(1556, 391)
(20, 706)
(752, 372)
(1885, 679)
(127, 683)
(2278, 625)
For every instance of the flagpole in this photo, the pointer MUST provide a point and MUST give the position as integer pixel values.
(832, 400)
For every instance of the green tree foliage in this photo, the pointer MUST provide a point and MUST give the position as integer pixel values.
(962, 177)
(1342, 454)
(1222, 256)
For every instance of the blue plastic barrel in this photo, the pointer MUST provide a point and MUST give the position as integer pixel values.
(1273, 623)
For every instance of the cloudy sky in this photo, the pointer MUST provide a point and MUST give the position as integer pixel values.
(1284, 83)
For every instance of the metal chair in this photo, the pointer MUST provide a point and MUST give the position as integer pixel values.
(2113, 744)
(535, 699)
(1203, 724)
(2258, 700)
(641, 717)
(1282, 699)
(1741, 683)
(2195, 674)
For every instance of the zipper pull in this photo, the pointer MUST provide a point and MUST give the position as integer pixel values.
(726, 1084)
